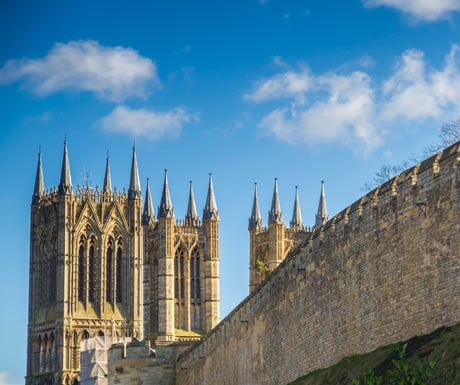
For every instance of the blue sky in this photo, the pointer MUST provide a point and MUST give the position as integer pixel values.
(248, 90)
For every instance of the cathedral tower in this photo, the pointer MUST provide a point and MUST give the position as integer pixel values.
(181, 268)
(269, 246)
(85, 271)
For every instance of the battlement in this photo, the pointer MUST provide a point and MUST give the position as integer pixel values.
(382, 270)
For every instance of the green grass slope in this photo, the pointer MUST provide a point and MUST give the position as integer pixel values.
(442, 346)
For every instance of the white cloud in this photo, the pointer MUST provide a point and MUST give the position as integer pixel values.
(283, 85)
(424, 10)
(343, 115)
(353, 110)
(113, 73)
(149, 124)
(5, 378)
(415, 92)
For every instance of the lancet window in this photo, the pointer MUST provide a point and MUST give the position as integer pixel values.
(109, 272)
(195, 289)
(92, 272)
(179, 274)
(119, 265)
(81, 269)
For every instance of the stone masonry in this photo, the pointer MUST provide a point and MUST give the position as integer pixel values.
(384, 269)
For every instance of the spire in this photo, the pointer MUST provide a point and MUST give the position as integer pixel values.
(166, 209)
(192, 214)
(65, 183)
(275, 216)
(148, 214)
(210, 211)
(296, 221)
(321, 216)
(107, 180)
(255, 221)
(134, 191)
(39, 187)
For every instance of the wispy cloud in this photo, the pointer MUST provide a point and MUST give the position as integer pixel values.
(113, 73)
(352, 109)
(284, 85)
(417, 92)
(146, 123)
(5, 378)
(343, 114)
(422, 10)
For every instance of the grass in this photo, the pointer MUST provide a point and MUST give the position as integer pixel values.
(441, 346)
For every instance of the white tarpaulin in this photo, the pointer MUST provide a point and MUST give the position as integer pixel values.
(94, 357)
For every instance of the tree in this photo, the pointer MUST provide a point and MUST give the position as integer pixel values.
(448, 134)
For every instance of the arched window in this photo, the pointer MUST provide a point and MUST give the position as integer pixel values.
(109, 272)
(51, 352)
(38, 355)
(119, 266)
(179, 274)
(81, 270)
(195, 290)
(85, 335)
(44, 363)
(52, 278)
(92, 271)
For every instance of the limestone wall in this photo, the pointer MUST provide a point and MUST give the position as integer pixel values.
(134, 364)
(384, 269)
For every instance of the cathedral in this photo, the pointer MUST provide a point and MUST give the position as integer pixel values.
(103, 263)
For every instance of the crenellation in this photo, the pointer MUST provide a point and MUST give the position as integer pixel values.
(360, 289)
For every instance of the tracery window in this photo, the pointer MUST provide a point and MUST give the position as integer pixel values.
(179, 274)
(52, 278)
(81, 270)
(195, 289)
(92, 272)
(109, 270)
(119, 287)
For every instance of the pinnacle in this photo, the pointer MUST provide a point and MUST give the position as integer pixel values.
(321, 216)
(192, 214)
(148, 214)
(296, 221)
(255, 221)
(65, 183)
(134, 191)
(166, 209)
(39, 187)
(275, 216)
(210, 211)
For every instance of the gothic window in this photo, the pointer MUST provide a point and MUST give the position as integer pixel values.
(176, 278)
(92, 272)
(81, 270)
(109, 269)
(52, 278)
(37, 355)
(195, 290)
(43, 365)
(76, 351)
(85, 335)
(51, 352)
(179, 274)
(118, 286)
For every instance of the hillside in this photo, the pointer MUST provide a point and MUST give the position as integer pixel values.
(441, 346)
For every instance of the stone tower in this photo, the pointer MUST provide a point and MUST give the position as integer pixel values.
(85, 271)
(181, 268)
(269, 246)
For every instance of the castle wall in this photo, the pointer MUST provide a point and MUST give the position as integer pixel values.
(383, 270)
